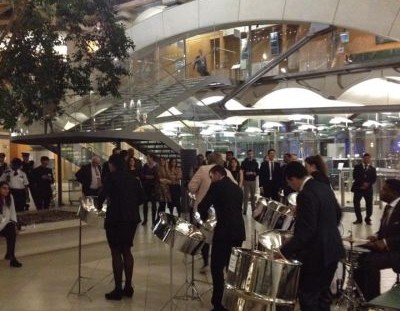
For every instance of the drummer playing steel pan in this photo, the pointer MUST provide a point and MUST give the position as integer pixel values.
(316, 241)
(226, 197)
(384, 245)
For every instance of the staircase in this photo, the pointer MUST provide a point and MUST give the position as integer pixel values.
(154, 101)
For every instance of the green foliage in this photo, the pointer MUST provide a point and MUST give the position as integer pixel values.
(33, 75)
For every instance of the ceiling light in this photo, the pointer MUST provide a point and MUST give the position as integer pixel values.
(338, 120)
(371, 123)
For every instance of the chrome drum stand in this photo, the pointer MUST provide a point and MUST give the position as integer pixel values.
(351, 298)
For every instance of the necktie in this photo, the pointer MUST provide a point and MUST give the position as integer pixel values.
(386, 215)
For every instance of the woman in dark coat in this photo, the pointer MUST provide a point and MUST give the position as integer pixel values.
(124, 195)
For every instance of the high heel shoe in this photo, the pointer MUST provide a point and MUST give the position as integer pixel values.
(15, 263)
(128, 291)
(116, 294)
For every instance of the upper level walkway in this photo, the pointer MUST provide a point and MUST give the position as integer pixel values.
(380, 17)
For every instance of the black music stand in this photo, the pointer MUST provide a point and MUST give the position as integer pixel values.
(82, 214)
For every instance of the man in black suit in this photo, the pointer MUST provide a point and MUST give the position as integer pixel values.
(270, 176)
(316, 241)
(364, 176)
(43, 178)
(384, 245)
(124, 194)
(89, 176)
(226, 197)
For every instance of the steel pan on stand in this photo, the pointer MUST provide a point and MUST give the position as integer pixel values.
(207, 227)
(272, 239)
(186, 238)
(259, 274)
(179, 234)
(273, 214)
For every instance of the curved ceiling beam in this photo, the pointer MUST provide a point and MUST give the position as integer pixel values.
(381, 17)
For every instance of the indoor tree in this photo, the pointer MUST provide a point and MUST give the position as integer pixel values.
(35, 77)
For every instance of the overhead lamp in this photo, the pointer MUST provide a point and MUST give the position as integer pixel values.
(306, 127)
(270, 125)
(371, 123)
(253, 129)
(298, 117)
(338, 120)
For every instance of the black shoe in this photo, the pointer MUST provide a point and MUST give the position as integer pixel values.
(7, 257)
(15, 263)
(357, 222)
(116, 294)
(221, 308)
(144, 222)
(128, 291)
(368, 222)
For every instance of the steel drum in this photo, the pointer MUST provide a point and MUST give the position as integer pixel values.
(179, 234)
(89, 213)
(273, 239)
(353, 255)
(207, 227)
(273, 214)
(237, 300)
(260, 276)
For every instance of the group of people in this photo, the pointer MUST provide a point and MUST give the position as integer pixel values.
(316, 241)
(16, 180)
(160, 180)
(22, 177)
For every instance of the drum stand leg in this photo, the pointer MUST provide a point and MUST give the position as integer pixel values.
(189, 284)
(352, 296)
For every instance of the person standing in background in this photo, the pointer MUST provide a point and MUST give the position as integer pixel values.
(18, 183)
(270, 176)
(43, 178)
(151, 184)
(89, 176)
(3, 164)
(364, 176)
(316, 167)
(250, 171)
(175, 174)
(27, 168)
(200, 64)
(237, 173)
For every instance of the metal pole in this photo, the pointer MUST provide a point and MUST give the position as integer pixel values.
(59, 177)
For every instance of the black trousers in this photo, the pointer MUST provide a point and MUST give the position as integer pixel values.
(367, 195)
(368, 276)
(270, 190)
(175, 199)
(9, 232)
(43, 198)
(220, 254)
(19, 196)
(314, 292)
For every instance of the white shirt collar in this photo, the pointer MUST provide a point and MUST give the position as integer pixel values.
(304, 182)
(394, 202)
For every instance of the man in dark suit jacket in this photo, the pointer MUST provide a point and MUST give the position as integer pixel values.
(384, 245)
(89, 176)
(226, 197)
(364, 176)
(124, 194)
(316, 241)
(270, 176)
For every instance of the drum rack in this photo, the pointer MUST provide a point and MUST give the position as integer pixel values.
(351, 296)
(189, 284)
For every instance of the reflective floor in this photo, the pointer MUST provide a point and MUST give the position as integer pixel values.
(48, 281)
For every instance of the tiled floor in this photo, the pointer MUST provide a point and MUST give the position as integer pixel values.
(45, 282)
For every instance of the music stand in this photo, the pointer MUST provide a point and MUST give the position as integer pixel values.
(83, 217)
(81, 213)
